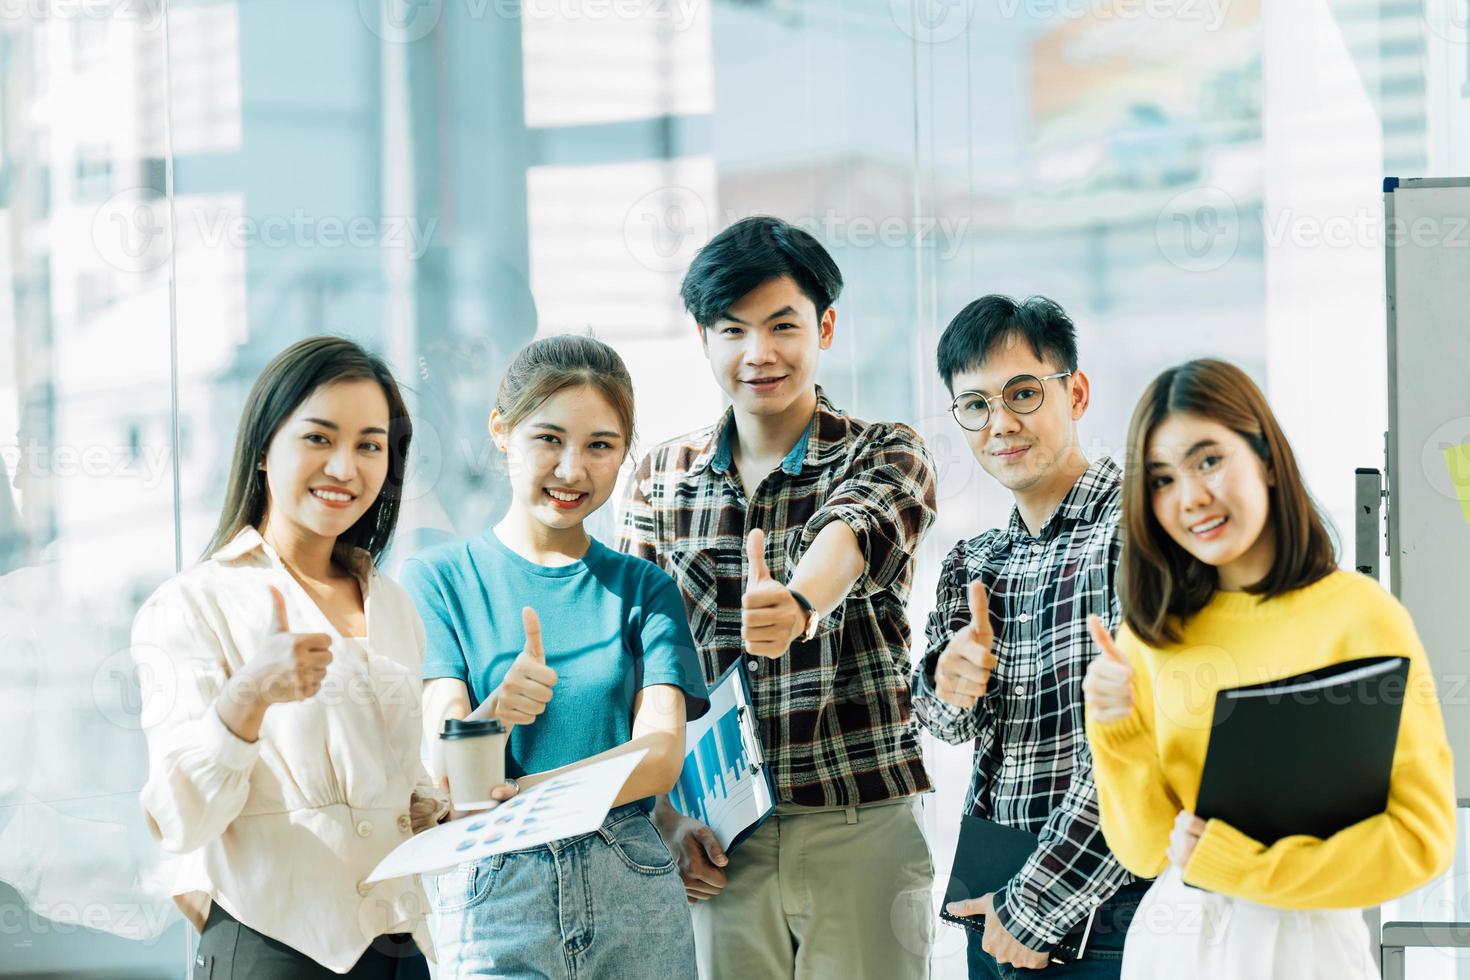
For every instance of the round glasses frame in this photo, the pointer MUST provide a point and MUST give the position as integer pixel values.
(954, 406)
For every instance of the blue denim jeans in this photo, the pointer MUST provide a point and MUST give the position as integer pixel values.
(1102, 960)
(608, 904)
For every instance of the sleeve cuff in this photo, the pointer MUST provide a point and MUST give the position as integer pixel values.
(1219, 857)
(224, 746)
(942, 711)
(1115, 734)
(1024, 925)
(854, 518)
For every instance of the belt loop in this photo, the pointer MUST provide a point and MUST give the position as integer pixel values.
(851, 814)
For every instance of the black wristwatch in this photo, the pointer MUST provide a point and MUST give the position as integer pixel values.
(812, 619)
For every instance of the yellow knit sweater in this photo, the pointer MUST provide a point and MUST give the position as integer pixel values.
(1148, 765)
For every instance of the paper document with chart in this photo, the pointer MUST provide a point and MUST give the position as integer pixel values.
(574, 802)
(725, 783)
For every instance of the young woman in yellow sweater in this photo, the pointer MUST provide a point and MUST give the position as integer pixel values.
(1228, 578)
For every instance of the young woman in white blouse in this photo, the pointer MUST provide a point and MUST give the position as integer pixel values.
(281, 688)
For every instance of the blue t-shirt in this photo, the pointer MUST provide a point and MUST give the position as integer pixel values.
(611, 625)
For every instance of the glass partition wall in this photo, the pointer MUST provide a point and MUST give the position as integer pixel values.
(186, 188)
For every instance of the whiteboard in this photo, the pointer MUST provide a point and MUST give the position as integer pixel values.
(1428, 268)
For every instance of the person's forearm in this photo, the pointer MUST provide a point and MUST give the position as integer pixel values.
(443, 698)
(830, 568)
(655, 774)
(238, 707)
(663, 809)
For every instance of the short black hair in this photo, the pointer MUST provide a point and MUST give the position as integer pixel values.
(991, 320)
(753, 251)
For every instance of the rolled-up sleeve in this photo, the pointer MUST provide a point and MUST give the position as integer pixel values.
(198, 770)
(888, 500)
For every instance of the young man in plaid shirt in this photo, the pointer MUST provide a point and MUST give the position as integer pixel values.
(791, 529)
(1007, 644)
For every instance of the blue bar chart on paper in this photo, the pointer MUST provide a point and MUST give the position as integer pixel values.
(722, 784)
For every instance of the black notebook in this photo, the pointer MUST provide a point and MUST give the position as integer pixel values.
(1308, 754)
(987, 856)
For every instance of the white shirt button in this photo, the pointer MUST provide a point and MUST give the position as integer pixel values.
(1036, 549)
(405, 823)
(364, 889)
(1010, 760)
(753, 664)
(1020, 688)
(364, 828)
(1024, 618)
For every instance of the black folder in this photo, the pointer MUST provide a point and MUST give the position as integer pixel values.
(987, 856)
(1308, 754)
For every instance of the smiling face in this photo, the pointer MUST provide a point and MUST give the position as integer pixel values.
(564, 457)
(764, 350)
(1210, 492)
(328, 461)
(1026, 453)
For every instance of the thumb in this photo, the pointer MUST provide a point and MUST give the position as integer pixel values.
(979, 609)
(1101, 637)
(755, 551)
(532, 623)
(712, 847)
(278, 619)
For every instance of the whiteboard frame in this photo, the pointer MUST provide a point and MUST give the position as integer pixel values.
(1393, 186)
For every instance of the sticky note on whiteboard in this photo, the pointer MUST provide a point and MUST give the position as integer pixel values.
(1457, 458)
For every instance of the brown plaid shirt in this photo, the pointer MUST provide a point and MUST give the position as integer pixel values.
(834, 713)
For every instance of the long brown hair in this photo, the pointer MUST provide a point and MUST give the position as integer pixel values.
(287, 381)
(1160, 585)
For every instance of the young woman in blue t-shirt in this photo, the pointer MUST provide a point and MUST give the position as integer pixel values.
(583, 650)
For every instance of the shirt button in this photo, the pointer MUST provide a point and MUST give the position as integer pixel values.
(364, 828)
(1010, 760)
(364, 889)
(405, 823)
(753, 664)
(1020, 688)
(1036, 549)
(1024, 618)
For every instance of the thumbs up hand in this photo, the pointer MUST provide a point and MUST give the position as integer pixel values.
(962, 674)
(526, 689)
(770, 616)
(290, 666)
(1108, 686)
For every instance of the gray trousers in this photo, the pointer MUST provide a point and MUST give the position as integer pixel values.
(229, 950)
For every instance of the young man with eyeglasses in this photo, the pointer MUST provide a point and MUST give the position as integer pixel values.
(1007, 643)
(791, 529)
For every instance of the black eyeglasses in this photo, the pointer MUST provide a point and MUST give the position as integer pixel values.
(1022, 395)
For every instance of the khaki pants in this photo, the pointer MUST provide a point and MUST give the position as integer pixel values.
(818, 894)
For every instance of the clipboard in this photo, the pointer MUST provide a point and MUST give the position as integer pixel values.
(726, 782)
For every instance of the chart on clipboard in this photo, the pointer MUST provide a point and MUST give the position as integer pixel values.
(725, 783)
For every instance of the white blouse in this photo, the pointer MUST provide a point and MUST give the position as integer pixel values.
(282, 831)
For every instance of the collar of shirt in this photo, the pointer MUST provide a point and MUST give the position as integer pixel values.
(1081, 503)
(359, 561)
(823, 440)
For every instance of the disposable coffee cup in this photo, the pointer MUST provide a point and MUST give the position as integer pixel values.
(474, 758)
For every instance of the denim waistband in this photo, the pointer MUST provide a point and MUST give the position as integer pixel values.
(614, 816)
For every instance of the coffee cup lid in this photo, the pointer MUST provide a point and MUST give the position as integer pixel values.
(461, 728)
